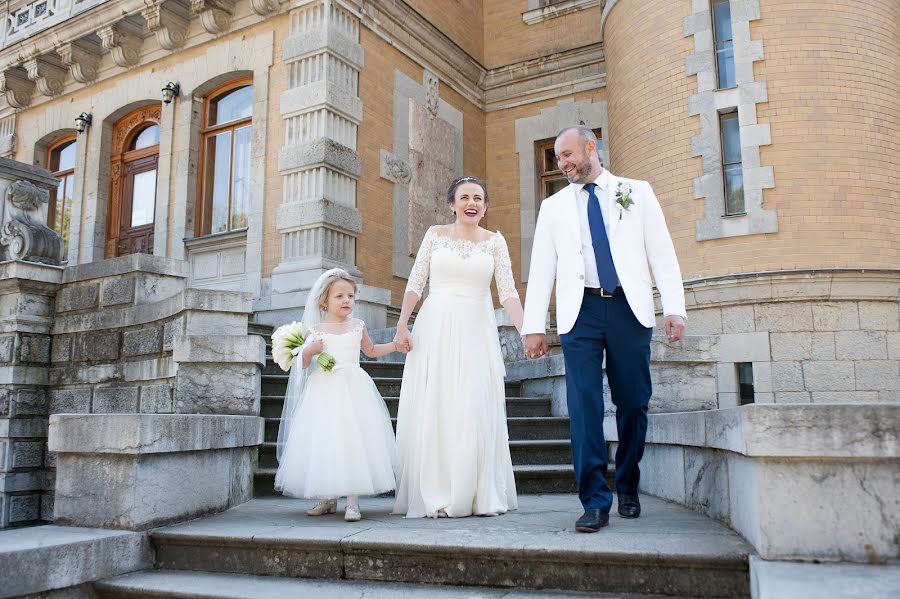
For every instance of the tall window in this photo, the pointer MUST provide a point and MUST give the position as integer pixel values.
(225, 178)
(549, 178)
(731, 164)
(721, 10)
(61, 161)
(135, 154)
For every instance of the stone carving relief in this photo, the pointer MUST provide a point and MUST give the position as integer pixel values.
(17, 86)
(215, 15)
(81, 58)
(432, 169)
(265, 7)
(47, 74)
(169, 25)
(123, 45)
(24, 234)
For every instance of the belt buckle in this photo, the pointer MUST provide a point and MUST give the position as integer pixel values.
(603, 293)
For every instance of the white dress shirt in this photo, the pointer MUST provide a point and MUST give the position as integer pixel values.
(591, 278)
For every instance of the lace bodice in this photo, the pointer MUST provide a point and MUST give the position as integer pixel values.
(463, 265)
(342, 340)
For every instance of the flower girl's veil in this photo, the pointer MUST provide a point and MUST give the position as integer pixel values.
(312, 316)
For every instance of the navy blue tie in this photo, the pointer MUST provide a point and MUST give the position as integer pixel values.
(606, 269)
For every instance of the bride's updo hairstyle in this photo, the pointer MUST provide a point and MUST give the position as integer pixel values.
(333, 276)
(451, 192)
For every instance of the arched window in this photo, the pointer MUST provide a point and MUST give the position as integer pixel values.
(225, 155)
(61, 161)
(135, 154)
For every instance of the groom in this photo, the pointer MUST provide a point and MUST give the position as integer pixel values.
(595, 239)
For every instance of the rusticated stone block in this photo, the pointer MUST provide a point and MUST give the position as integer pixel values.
(878, 375)
(879, 316)
(5, 465)
(27, 454)
(170, 329)
(787, 376)
(80, 297)
(115, 400)
(217, 389)
(118, 291)
(142, 341)
(61, 348)
(70, 401)
(4, 403)
(784, 317)
(893, 343)
(24, 508)
(839, 316)
(156, 399)
(47, 507)
(861, 345)
(29, 402)
(828, 376)
(737, 319)
(103, 345)
(34, 348)
(7, 343)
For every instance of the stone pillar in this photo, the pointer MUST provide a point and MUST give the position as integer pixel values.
(29, 280)
(318, 220)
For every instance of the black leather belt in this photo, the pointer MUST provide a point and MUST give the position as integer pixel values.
(603, 292)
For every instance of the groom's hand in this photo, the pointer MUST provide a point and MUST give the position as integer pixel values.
(674, 328)
(535, 345)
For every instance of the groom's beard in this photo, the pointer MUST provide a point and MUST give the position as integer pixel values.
(582, 173)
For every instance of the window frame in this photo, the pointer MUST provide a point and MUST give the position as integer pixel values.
(63, 140)
(723, 116)
(203, 221)
(715, 40)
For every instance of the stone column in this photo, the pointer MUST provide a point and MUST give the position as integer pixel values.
(318, 220)
(29, 280)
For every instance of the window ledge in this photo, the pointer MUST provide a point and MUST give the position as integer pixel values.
(538, 15)
(217, 240)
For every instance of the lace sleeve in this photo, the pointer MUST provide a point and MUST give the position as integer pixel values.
(506, 285)
(418, 276)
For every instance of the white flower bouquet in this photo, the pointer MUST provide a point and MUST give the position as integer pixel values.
(287, 342)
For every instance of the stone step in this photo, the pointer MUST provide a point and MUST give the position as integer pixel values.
(555, 452)
(213, 585)
(670, 550)
(520, 428)
(271, 406)
(530, 478)
(276, 384)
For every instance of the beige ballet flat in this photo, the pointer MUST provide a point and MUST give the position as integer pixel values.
(326, 506)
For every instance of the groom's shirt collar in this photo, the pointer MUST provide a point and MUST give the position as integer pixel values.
(602, 181)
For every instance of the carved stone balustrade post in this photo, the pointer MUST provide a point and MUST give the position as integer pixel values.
(24, 234)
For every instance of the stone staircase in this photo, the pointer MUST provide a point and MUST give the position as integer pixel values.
(539, 442)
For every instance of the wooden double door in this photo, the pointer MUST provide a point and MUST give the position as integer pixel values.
(133, 184)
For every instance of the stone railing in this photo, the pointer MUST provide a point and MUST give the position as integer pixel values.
(123, 345)
(798, 482)
(25, 18)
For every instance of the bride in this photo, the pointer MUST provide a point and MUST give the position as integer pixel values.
(452, 439)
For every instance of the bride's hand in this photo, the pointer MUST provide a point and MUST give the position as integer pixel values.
(403, 339)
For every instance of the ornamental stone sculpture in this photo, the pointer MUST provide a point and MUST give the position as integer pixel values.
(24, 234)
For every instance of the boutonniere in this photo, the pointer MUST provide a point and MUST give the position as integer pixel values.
(623, 197)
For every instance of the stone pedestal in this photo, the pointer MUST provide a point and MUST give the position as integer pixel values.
(137, 471)
(798, 482)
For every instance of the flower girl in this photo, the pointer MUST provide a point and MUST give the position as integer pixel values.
(335, 438)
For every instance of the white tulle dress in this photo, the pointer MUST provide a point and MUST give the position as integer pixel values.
(452, 439)
(341, 441)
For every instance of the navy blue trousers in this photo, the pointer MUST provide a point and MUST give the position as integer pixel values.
(607, 325)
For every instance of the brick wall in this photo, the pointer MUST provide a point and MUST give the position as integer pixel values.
(463, 24)
(650, 130)
(508, 39)
(833, 75)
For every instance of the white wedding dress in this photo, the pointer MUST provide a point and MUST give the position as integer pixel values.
(341, 442)
(452, 440)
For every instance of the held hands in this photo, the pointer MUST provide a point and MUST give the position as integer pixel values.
(535, 345)
(403, 340)
(674, 328)
(316, 347)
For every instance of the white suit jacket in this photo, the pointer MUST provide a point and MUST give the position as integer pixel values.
(638, 239)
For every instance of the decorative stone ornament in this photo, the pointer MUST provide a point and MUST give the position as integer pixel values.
(23, 235)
